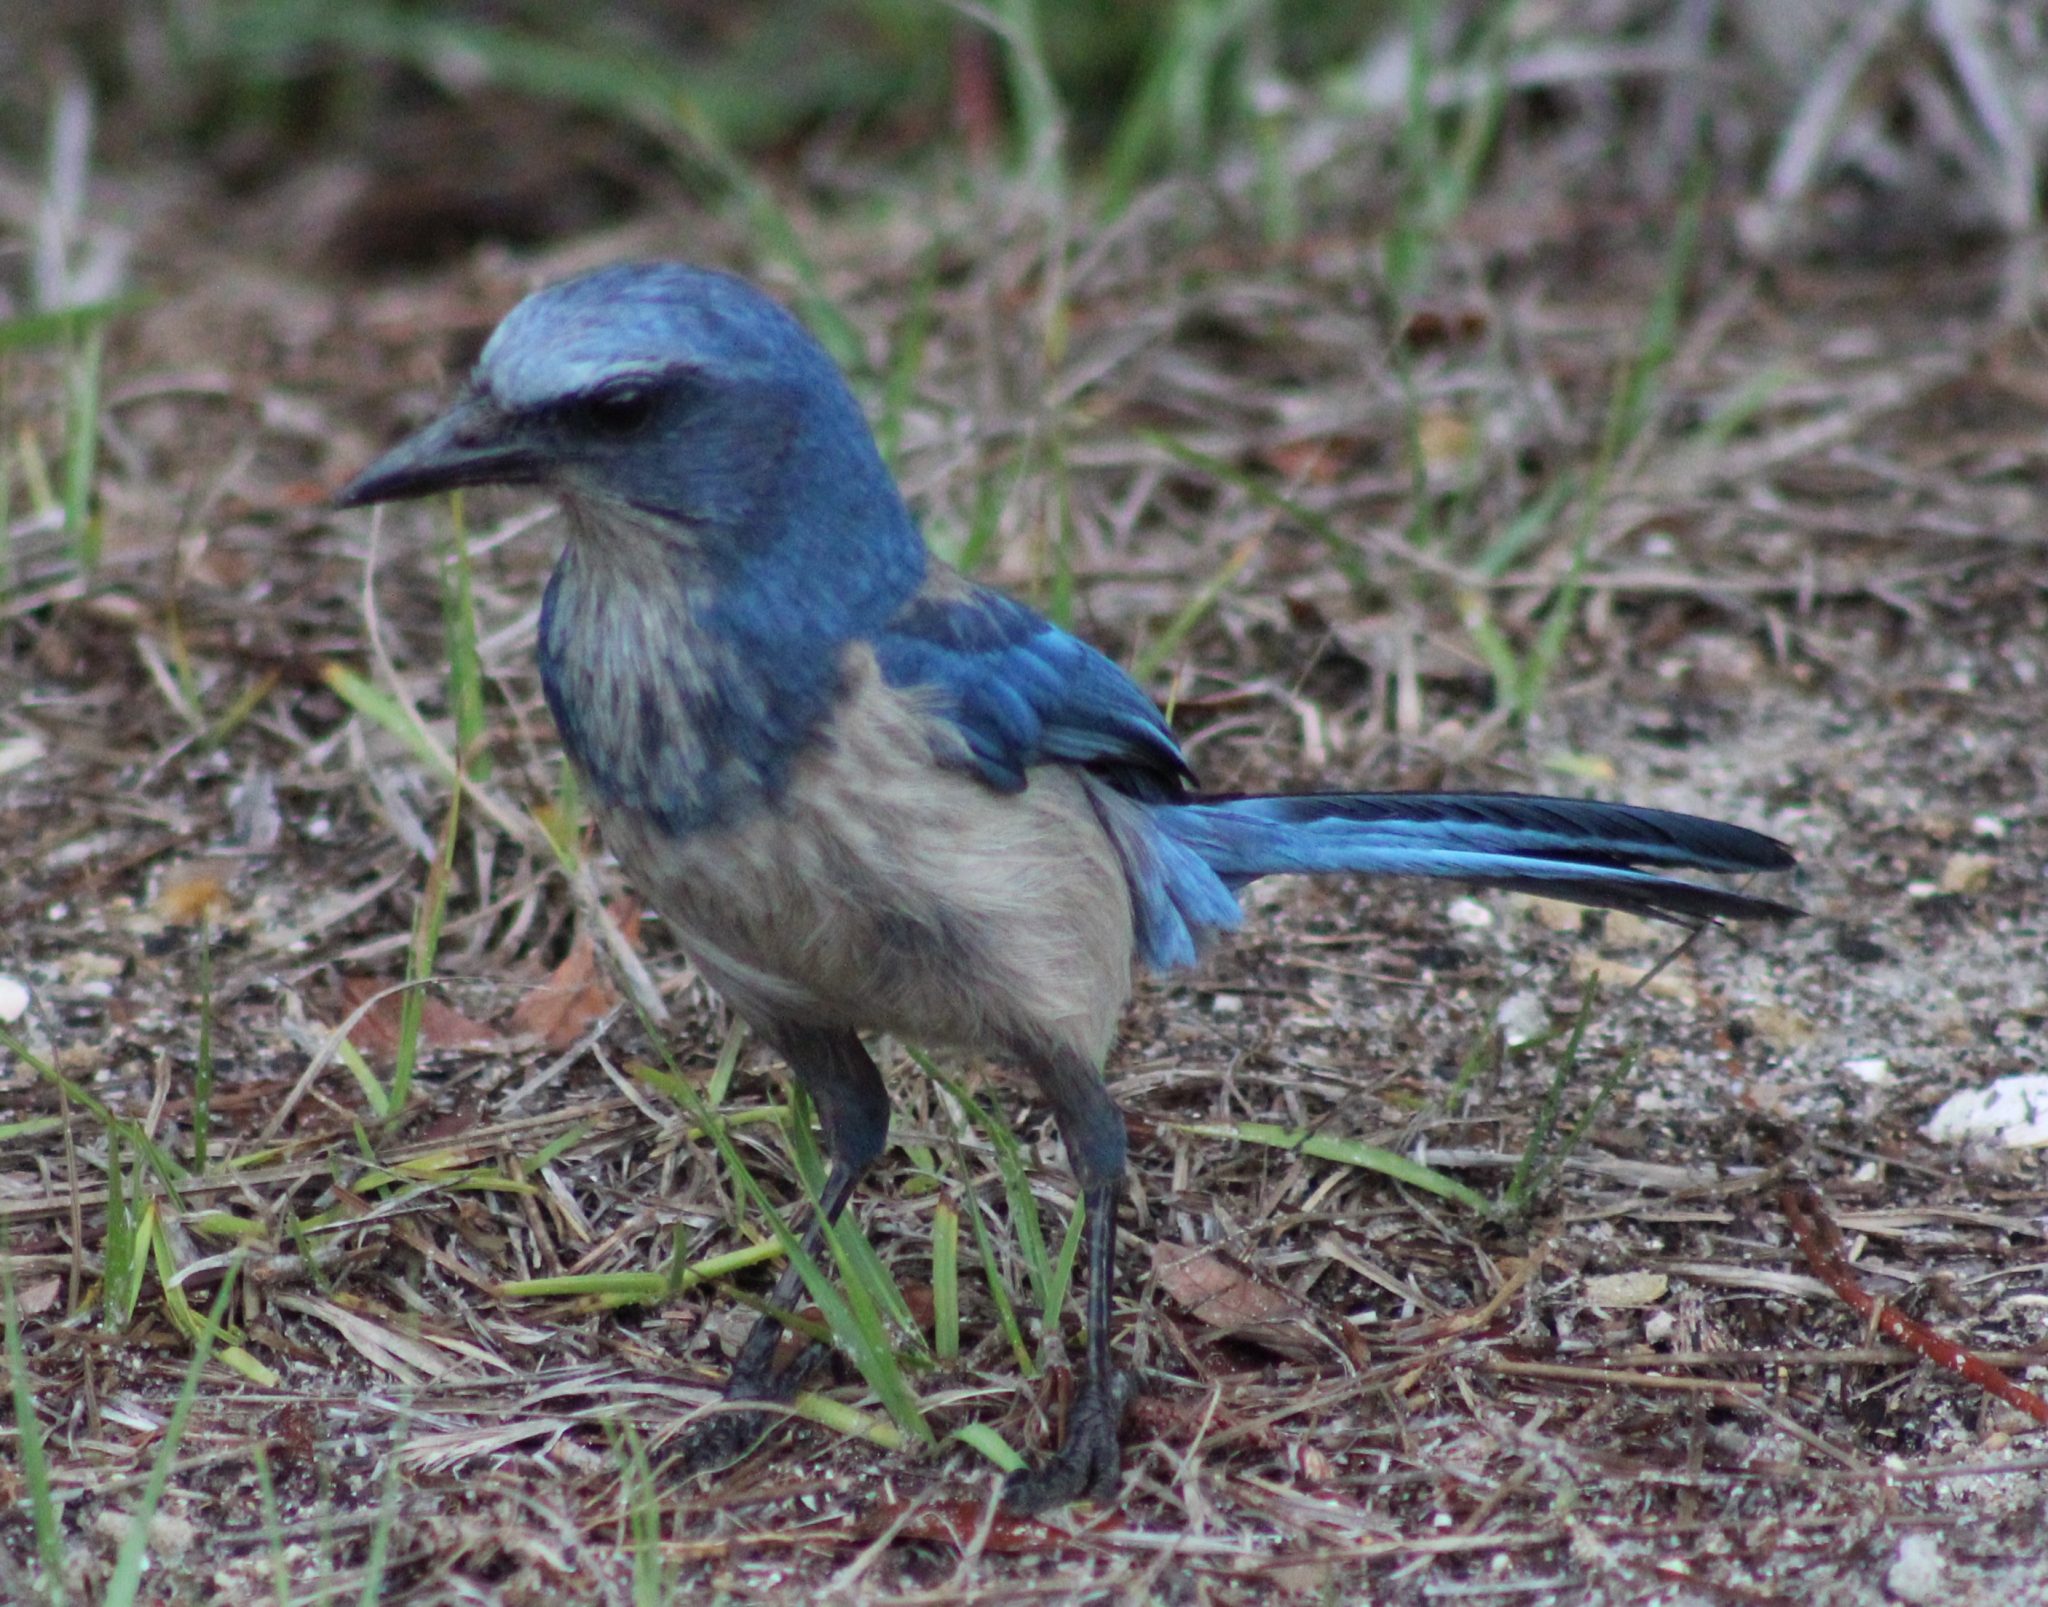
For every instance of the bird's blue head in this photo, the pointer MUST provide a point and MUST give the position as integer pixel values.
(673, 403)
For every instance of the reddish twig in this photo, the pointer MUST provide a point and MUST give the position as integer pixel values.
(1821, 1242)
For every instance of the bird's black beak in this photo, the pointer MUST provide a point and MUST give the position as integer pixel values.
(473, 443)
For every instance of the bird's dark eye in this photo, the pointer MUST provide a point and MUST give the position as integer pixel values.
(617, 410)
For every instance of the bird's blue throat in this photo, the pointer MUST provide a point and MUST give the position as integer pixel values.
(686, 689)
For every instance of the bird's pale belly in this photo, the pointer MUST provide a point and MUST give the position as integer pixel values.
(883, 893)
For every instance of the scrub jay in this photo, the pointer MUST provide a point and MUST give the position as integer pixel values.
(870, 795)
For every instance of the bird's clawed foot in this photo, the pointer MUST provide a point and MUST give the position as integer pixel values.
(1088, 1460)
(724, 1437)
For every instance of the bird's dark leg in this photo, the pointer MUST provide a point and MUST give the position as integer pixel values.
(840, 1078)
(1087, 1462)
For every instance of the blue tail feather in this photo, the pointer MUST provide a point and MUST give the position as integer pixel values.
(1565, 848)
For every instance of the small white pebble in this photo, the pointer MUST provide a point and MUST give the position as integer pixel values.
(1523, 1018)
(1922, 889)
(1990, 826)
(1469, 912)
(18, 753)
(2012, 1112)
(1872, 1069)
(1626, 1290)
(1226, 1004)
(13, 1000)
(1920, 1572)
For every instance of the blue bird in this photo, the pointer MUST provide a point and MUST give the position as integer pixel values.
(872, 796)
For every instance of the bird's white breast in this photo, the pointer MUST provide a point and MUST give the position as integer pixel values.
(882, 892)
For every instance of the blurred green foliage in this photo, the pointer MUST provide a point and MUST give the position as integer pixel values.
(1138, 81)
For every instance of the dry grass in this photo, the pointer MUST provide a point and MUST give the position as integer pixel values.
(1811, 595)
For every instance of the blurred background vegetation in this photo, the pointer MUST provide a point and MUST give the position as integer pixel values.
(519, 121)
(1396, 173)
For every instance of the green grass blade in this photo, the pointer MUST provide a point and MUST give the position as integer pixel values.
(387, 1512)
(81, 447)
(28, 1433)
(367, 1080)
(562, 819)
(1347, 1152)
(7, 568)
(981, 1437)
(1527, 528)
(419, 969)
(273, 1526)
(465, 666)
(1070, 1247)
(64, 325)
(1016, 1176)
(1560, 618)
(641, 1288)
(202, 1073)
(991, 496)
(1192, 612)
(946, 1281)
(864, 1269)
(185, 1319)
(1635, 402)
(118, 1255)
(991, 1270)
(849, 1420)
(168, 1170)
(851, 1317)
(381, 708)
(640, 1495)
(720, 1086)
(1522, 1186)
(1341, 550)
(1485, 1054)
(906, 362)
(126, 1579)
(1142, 128)
(1041, 119)
(552, 1150)
(1624, 1067)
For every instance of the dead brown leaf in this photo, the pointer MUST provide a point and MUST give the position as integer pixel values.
(32, 1299)
(575, 995)
(1218, 1290)
(442, 1026)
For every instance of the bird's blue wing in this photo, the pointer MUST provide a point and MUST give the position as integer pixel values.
(1018, 691)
